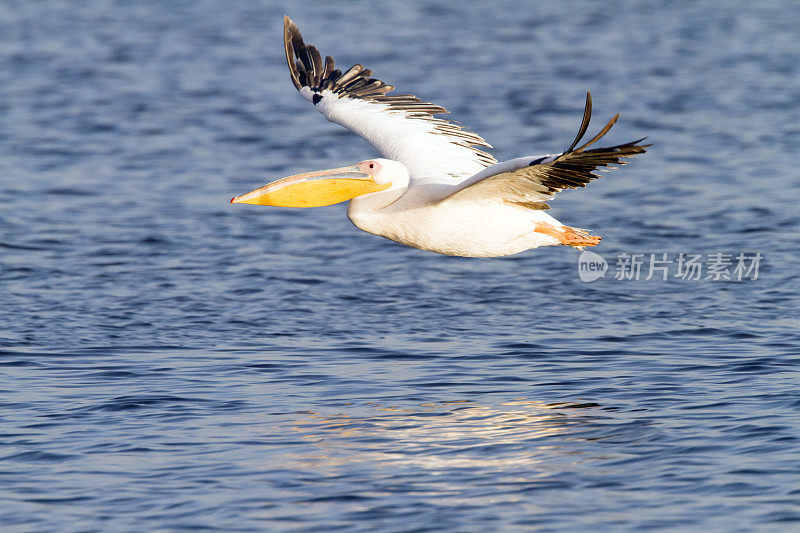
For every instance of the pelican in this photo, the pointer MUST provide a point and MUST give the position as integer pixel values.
(432, 189)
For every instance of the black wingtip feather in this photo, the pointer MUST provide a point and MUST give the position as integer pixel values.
(577, 167)
(587, 116)
(602, 132)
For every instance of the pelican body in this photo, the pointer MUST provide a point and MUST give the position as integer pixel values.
(432, 189)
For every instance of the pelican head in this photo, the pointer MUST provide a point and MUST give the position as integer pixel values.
(327, 187)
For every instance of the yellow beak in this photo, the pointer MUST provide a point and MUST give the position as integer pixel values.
(313, 189)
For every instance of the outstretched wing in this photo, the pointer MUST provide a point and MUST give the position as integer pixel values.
(400, 127)
(531, 181)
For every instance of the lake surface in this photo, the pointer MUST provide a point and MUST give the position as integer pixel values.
(169, 361)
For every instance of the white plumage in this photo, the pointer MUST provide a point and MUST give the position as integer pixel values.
(432, 189)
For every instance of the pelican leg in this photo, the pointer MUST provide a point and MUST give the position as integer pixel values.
(567, 235)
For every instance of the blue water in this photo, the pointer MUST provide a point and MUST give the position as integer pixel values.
(171, 362)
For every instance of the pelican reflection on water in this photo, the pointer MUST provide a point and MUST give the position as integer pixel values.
(449, 434)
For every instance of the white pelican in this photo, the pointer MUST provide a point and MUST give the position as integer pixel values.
(432, 189)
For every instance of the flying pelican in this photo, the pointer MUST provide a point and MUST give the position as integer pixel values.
(432, 189)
